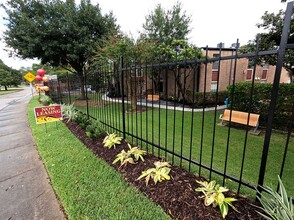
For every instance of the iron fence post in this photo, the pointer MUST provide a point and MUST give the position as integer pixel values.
(123, 97)
(86, 92)
(68, 87)
(274, 94)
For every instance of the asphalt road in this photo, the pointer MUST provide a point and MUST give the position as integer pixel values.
(25, 190)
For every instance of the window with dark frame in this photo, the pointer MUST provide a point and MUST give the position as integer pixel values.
(249, 74)
(264, 74)
(215, 64)
(214, 75)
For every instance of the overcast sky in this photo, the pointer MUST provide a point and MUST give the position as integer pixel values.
(213, 21)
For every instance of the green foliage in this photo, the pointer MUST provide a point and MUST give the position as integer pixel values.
(164, 26)
(9, 76)
(69, 112)
(158, 174)
(115, 47)
(213, 195)
(261, 100)
(56, 31)
(82, 120)
(131, 156)
(210, 98)
(45, 99)
(60, 33)
(111, 140)
(177, 50)
(276, 205)
(93, 130)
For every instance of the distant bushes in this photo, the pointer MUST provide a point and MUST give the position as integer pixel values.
(239, 97)
(211, 98)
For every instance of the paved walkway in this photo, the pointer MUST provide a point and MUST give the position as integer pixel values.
(164, 105)
(25, 190)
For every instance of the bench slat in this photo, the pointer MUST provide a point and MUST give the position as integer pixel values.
(241, 117)
(153, 97)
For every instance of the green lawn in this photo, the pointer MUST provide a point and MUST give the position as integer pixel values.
(164, 127)
(87, 187)
(10, 90)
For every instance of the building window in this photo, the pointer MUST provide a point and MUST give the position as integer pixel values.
(249, 74)
(264, 74)
(214, 76)
(215, 64)
(213, 87)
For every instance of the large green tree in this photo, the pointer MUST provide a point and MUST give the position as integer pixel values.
(9, 76)
(169, 30)
(133, 53)
(164, 26)
(57, 32)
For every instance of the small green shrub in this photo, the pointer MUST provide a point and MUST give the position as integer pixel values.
(198, 100)
(111, 140)
(93, 130)
(82, 120)
(133, 155)
(44, 99)
(158, 174)
(213, 195)
(276, 205)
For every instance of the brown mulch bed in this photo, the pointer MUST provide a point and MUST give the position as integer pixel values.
(177, 197)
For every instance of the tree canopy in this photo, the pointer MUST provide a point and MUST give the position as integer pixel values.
(57, 32)
(9, 76)
(165, 25)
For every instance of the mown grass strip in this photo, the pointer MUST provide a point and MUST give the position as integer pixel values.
(13, 90)
(87, 186)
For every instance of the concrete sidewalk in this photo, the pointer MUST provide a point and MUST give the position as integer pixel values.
(25, 190)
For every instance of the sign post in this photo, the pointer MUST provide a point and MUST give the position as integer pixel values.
(30, 78)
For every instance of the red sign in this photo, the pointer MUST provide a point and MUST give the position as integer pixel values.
(48, 114)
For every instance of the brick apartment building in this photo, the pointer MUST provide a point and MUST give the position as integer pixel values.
(244, 71)
(226, 70)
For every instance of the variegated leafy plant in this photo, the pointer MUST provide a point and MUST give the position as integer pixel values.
(111, 140)
(213, 195)
(131, 156)
(158, 174)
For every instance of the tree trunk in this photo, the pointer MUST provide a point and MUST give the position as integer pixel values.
(82, 82)
(133, 99)
(132, 93)
(5, 87)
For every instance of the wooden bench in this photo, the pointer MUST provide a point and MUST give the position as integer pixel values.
(152, 97)
(241, 118)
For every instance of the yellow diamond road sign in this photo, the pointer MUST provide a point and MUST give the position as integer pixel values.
(29, 77)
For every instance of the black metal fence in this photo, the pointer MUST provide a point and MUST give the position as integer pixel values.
(172, 110)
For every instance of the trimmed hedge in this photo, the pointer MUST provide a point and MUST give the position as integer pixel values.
(239, 98)
(210, 98)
